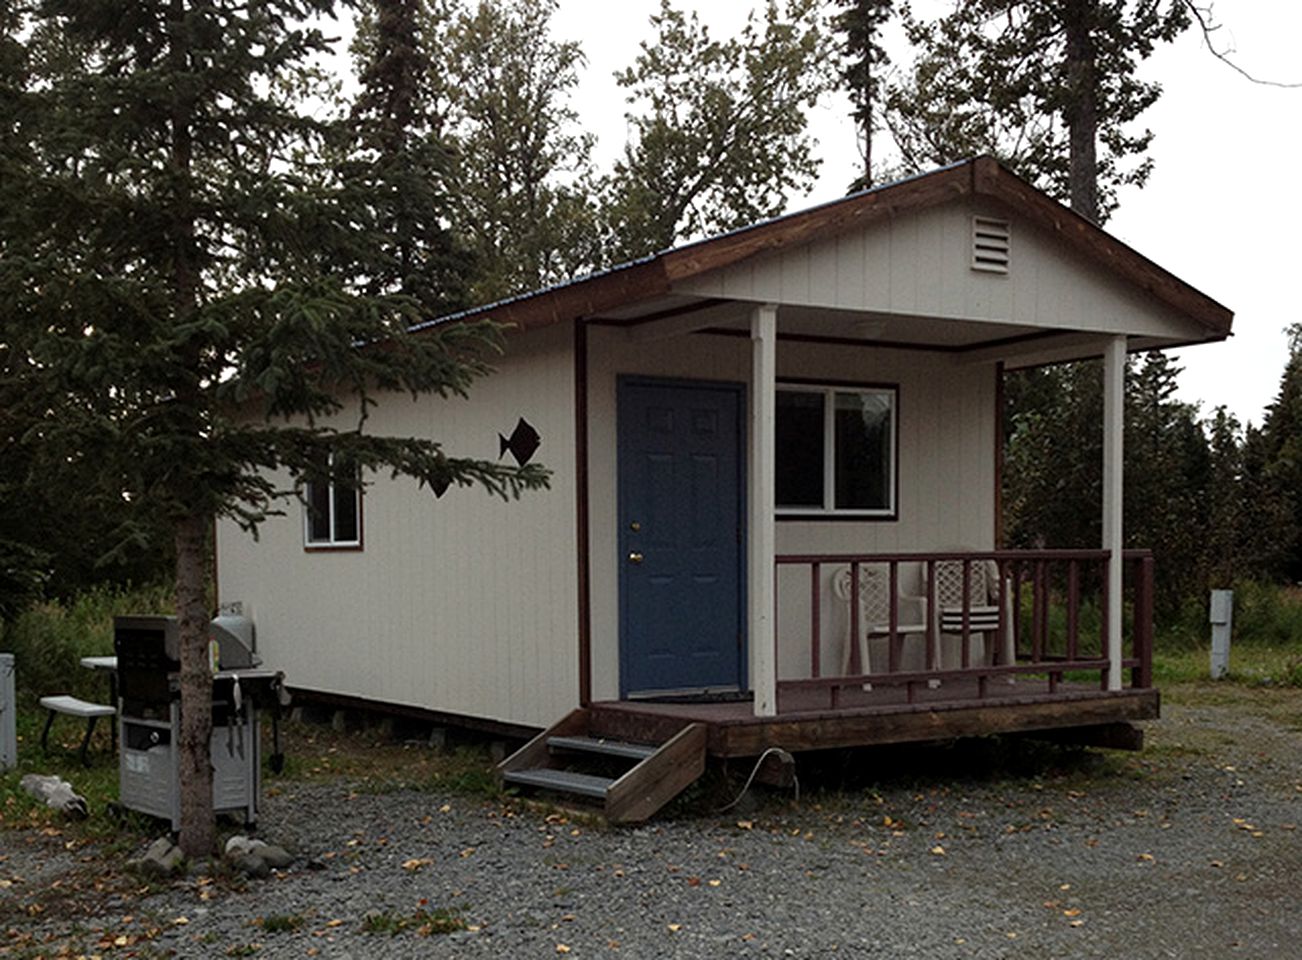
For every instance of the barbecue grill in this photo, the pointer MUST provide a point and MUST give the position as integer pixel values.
(149, 711)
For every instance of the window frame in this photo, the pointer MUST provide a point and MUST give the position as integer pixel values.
(334, 543)
(829, 511)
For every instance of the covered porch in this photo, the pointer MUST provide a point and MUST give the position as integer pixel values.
(1042, 662)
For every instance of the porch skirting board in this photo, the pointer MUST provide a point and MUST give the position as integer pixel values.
(861, 722)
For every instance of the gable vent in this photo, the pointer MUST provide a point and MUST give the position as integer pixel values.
(991, 245)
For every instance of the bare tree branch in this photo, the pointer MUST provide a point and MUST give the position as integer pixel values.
(1203, 17)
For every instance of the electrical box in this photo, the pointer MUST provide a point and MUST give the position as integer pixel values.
(1221, 615)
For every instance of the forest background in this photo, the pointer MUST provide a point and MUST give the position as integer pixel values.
(227, 199)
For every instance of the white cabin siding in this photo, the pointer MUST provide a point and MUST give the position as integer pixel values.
(918, 264)
(465, 604)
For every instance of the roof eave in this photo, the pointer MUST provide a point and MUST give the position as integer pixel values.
(983, 176)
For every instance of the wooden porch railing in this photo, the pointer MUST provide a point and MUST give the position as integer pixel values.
(1051, 603)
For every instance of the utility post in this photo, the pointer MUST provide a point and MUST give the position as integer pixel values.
(1222, 620)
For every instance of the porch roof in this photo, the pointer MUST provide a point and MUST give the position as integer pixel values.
(653, 288)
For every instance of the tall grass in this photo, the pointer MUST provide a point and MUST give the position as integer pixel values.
(49, 639)
(1265, 615)
(1265, 646)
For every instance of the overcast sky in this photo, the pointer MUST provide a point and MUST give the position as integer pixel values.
(1220, 211)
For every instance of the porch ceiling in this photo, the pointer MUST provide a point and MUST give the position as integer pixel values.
(973, 340)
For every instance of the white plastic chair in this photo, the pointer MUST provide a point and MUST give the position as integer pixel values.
(875, 612)
(985, 596)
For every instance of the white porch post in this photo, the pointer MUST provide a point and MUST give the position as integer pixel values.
(1114, 398)
(761, 536)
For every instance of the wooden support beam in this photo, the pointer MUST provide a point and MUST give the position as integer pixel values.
(1114, 399)
(761, 531)
(707, 314)
(750, 736)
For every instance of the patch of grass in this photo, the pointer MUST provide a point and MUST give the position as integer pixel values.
(1265, 615)
(281, 922)
(378, 765)
(422, 922)
(1250, 664)
(98, 783)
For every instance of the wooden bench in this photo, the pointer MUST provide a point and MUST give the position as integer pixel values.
(73, 707)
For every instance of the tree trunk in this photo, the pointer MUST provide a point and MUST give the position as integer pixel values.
(198, 821)
(1082, 113)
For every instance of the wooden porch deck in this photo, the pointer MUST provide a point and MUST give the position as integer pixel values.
(879, 716)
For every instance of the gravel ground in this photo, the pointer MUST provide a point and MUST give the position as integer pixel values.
(1188, 850)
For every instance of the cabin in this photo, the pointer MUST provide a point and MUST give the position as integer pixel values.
(773, 517)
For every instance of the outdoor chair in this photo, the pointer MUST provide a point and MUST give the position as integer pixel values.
(985, 596)
(875, 613)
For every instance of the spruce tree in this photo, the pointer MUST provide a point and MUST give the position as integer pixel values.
(1050, 86)
(178, 311)
(860, 22)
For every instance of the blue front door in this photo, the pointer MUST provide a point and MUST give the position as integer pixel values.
(680, 541)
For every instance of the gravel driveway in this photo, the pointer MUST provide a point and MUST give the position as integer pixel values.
(1188, 850)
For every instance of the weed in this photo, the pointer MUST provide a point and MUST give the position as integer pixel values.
(423, 922)
(281, 922)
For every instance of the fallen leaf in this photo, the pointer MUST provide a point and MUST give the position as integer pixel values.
(745, 824)
(674, 927)
(1145, 857)
(938, 850)
(334, 923)
(693, 881)
(1072, 912)
(715, 883)
(562, 948)
(416, 863)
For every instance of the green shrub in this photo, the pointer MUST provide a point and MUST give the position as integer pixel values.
(49, 639)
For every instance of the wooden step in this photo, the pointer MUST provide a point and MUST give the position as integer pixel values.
(562, 781)
(608, 748)
(657, 775)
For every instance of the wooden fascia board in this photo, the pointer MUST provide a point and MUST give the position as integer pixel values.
(991, 180)
(821, 223)
(583, 298)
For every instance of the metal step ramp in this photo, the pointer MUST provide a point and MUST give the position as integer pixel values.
(566, 759)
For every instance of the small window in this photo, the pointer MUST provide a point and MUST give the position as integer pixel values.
(332, 515)
(836, 450)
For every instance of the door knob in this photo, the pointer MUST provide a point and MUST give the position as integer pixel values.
(635, 557)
